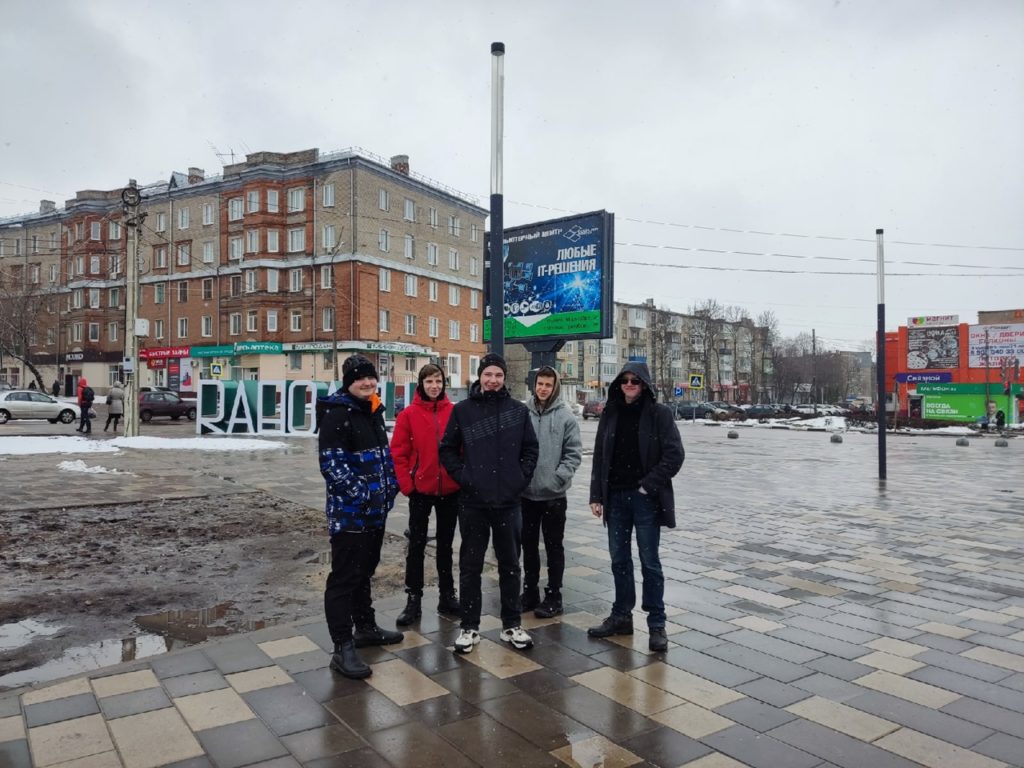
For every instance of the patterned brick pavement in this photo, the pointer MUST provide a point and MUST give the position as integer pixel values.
(816, 619)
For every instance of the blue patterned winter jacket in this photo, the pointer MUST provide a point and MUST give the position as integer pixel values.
(355, 461)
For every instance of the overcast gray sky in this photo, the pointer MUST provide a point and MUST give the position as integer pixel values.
(688, 120)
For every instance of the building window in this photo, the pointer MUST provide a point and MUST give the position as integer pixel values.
(454, 226)
(76, 332)
(296, 320)
(113, 231)
(161, 222)
(252, 240)
(80, 264)
(383, 200)
(411, 285)
(252, 201)
(272, 320)
(295, 280)
(296, 240)
(184, 254)
(94, 298)
(158, 329)
(160, 256)
(432, 290)
(273, 280)
(474, 266)
(432, 254)
(206, 326)
(235, 285)
(207, 288)
(183, 218)
(235, 247)
(326, 276)
(453, 330)
(474, 299)
(182, 327)
(474, 332)
(112, 331)
(432, 217)
(328, 237)
(207, 214)
(273, 241)
(94, 331)
(183, 291)
(114, 297)
(252, 320)
(54, 273)
(410, 247)
(474, 233)
(327, 318)
(159, 293)
(296, 199)
(454, 295)
(208, 252)
(76, 298)
(409, 210)
(384, 283)
(33, 274)
(250, 281)
(455, 368)
(234, 209)
(273, 201)
(410, 365)
(385, 321)
(453, 259)
(432, 327)
(235, 323)
(328, 195)
(384, 240)
(295, 361)
(410, 325)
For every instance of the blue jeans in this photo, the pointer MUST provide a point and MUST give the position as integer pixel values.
(625, 511)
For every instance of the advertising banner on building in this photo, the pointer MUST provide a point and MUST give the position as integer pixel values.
(998, 342)
(932, 348)
(558, 280)
(927, 321)
(966, 408)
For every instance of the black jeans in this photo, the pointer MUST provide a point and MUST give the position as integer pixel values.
(476, 525)
(112, 417)
(447, 508)
(547, 516)
(85, 423)
(347, 601)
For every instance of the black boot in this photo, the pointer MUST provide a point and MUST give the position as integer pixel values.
(374, 635)
(613, 625)
(346, 661)
(448, 603)
(530, 599)
(411, 612)
(551, 606)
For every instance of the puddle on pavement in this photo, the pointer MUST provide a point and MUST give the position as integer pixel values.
(88, 657)
(24, 632)
(194, 626)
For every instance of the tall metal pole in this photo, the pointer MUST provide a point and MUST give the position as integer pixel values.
(131, 198)
(496, 275)
(880, 355)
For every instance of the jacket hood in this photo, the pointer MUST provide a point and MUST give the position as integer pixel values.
(324, 404)
(641, 372)
(553, 401)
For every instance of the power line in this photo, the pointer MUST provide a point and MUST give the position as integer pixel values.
(809, 271)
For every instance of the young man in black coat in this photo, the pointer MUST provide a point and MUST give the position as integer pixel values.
(637, 453)
(489, 448)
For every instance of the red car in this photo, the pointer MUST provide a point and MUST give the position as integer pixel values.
(592, 409)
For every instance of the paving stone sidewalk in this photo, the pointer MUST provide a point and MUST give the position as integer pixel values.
(816, 619)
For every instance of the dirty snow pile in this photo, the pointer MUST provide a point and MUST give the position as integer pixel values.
(80, 466)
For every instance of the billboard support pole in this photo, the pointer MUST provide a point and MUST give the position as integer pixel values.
(880, 356)
(496, 275)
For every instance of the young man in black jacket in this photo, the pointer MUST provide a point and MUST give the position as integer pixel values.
(489, 448)
(637, 453)
(355, 461)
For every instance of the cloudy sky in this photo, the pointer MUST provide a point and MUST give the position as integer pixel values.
(745, 146)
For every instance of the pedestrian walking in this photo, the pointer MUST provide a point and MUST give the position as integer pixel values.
(544, 503)
(115, 405)
(56, 387)
(414, 445)
(86, 396)
(637, 452)
(355, 461)
(489, 448)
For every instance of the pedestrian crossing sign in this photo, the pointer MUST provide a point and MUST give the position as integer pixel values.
(696, 381)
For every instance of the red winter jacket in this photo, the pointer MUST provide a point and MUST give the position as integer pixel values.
(418, 431)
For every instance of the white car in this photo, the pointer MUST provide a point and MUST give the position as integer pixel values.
(32, 404)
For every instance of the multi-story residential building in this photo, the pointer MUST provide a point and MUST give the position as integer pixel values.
(274, 270)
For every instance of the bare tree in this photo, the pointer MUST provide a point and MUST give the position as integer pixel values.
(766, 339)
(706, 330)
(22, 309)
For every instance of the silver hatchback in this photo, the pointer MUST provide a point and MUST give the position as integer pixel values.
(31, 404)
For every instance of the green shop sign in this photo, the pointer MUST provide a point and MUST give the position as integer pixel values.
(966, 408)
(221, 350)
(258, 348)
(994, 388)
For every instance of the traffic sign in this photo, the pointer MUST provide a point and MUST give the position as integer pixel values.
(216, 371)
(696, 381)
(678, 391)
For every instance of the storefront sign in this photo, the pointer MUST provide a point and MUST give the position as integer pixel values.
(155, 353)
(924, 378)
(258, 348)
(924, 321)
(220, 350)
(996, 343)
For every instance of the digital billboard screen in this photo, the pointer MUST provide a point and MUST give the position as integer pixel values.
(558, 279)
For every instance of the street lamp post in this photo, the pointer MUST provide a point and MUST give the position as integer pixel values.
(131, 198)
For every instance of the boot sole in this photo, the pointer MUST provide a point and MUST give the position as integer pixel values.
(351, 675)
(548, 614)
(400, 622)
(373, 643)
(609, 634)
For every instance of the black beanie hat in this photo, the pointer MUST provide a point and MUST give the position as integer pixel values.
(356, 367)
(490, 359)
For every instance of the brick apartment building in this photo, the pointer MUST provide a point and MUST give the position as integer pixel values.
(277, 269)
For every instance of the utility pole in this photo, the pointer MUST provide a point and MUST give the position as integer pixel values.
(814, 369)
(131, 198)
(880, 353)
(496, 276)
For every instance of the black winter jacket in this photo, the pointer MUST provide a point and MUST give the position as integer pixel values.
(489, 448)
(661, 447)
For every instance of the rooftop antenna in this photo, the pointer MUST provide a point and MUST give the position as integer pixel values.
(223, 155)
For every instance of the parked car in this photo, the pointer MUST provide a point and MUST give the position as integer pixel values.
(763, 411)
(684, 410)
(160, 403)
(592, 409)
(730, 408)
(30, 404)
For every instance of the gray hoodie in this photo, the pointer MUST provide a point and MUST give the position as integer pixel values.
(561, 449)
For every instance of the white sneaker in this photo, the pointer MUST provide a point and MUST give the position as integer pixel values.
(518, 637)
(466, 640)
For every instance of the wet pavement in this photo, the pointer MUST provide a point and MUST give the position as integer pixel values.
(816, 619)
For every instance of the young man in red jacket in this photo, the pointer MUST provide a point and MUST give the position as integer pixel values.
(418, 431)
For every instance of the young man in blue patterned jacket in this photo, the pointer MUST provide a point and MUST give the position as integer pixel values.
(355, 461)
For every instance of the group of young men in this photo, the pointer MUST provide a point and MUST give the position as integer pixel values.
(499, 470)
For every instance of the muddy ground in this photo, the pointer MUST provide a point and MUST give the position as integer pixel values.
(184, 568)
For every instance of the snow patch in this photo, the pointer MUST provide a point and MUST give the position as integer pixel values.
(78, 465)
(207, 443)
(25, 445)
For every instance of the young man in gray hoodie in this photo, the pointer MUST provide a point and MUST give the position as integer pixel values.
(544, 502)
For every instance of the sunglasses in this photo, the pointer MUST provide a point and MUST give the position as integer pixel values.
(630, 380)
